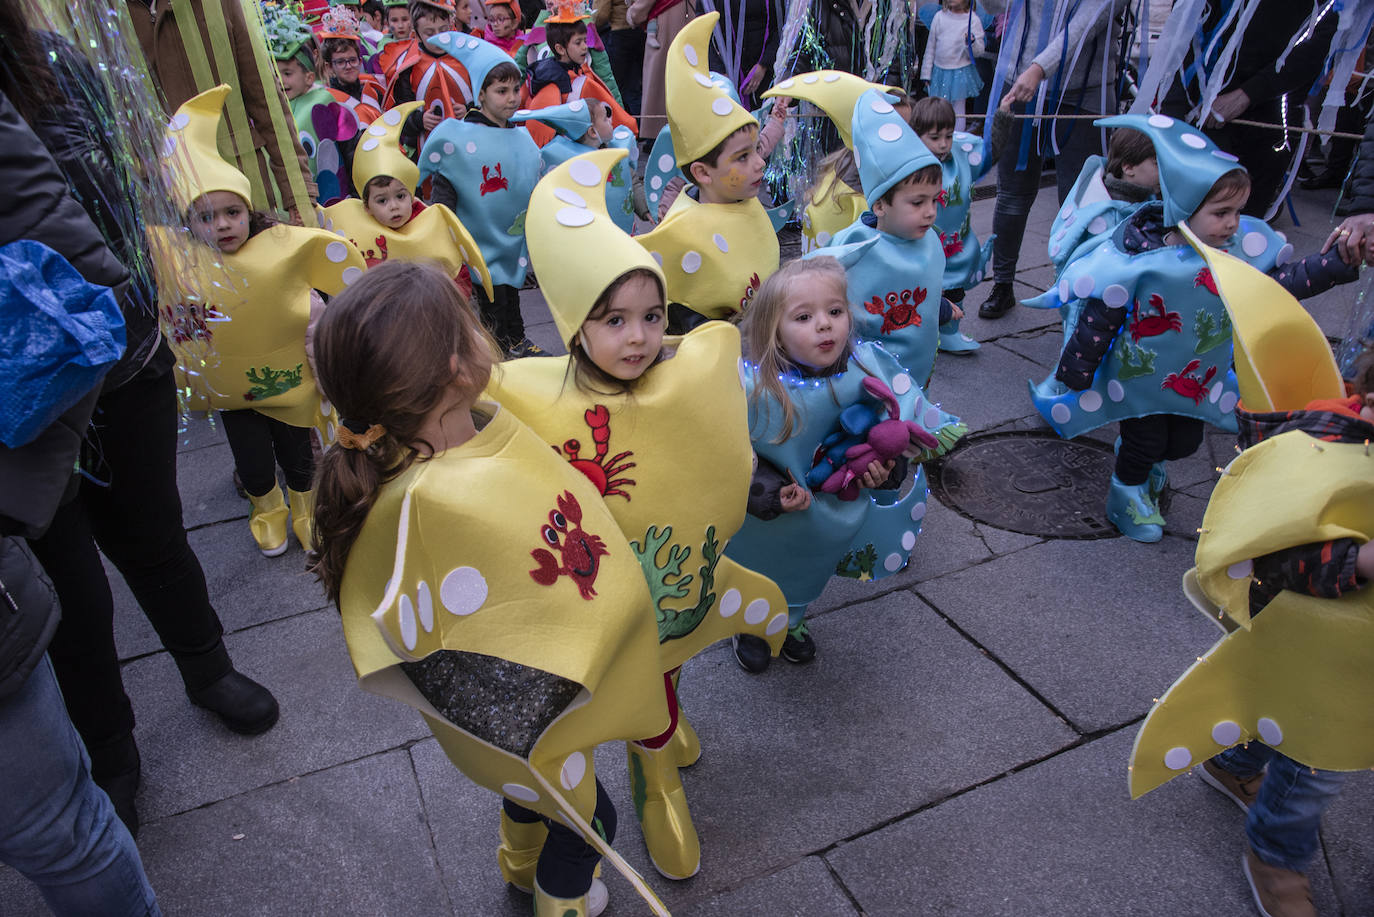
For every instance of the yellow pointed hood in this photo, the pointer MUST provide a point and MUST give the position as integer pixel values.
(191, 153)
(572, 238)
(834, 92)
(379, 151)
(700, 113)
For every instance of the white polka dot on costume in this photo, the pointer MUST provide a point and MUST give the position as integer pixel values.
(568, 196)
(657, 256)
(656, 182)
(823, 238)
(966, 147)
(1054, 248)
(523, 113)
(470, 147)
(179, 121)
(435, 157)
(449, 149)
(1196, 141)
(1116, 296)
(377, 130)
(975, 159)
(1284, 256)
(918, 406)
(1098, 224)
(918, 511)
(722, 106)
(890, 132)
(831, 77)
(901, 384)
(463, 591)
(519, 792)
(1222, 154)
(1254, 243)
(1065, 211)
(351, 275)
(691, 262)
(474, 43)
(665, 163)
(1070, 219)
(1226, 733)
(786, 84)
(584, 173)
(893, 562)
(371, 143)
(573, 770)
(1090, 401)
(577, 105)
(1116, 391)
(908, 540)
(1083, 286)
(703, 80)
(524, 262)
(730, 603)
(1178, 758)
(331, 432)
(1160, 121)
(1214, 394)
(326, 407)
(336, 251)
(932, 418)
(407, 621)
(691, 54)
(1060, 413)
(776, 625)
(856, 158)
(1269, 732)
(720, 243)
(1227, 403)
(445, 39)
(424, 604)
(881, 107)
(1064, 290)
(756, 611)
(1241, 569)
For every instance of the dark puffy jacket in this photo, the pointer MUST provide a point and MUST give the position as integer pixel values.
(1361, 187)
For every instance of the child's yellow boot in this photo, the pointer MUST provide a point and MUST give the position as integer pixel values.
(685, 745)
(661, 806)
(267, 522)
(302, 516)
(521, 844)
(589, 905)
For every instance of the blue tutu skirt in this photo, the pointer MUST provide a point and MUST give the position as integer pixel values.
(963, 83)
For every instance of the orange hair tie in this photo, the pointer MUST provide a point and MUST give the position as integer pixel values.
(360, 441)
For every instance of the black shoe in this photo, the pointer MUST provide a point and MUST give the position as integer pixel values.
(999, 302)
(526, 348)
(121, 783)
(122, 790)
(245, 706)
(752, 653)
(798, 646)
(1325, 179)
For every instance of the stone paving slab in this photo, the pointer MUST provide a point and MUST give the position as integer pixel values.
(804, 890)
(205, 478)
(1019, 318)
(1097, 628)
(189, 759)
(1347, 845)
(1062, 837)
(986, 388)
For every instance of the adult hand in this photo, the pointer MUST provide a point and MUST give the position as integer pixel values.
(1228, 105)
(877, 473)
(751, 82)
(794, 498)
(1025, 87)
(1354, 239)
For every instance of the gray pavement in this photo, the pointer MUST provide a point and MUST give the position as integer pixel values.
(958, 747)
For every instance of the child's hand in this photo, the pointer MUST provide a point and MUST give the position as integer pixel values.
(877, 473)
(433, 115)
(794, 497)
(956, 312)
(780, 109)
(1364, 561)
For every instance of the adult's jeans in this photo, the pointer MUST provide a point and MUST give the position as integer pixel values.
(1284, 819)
(1017, 188)
(56, 826)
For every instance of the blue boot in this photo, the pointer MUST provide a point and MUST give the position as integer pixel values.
(1159, 479)
(952, 341)
(1134, 511)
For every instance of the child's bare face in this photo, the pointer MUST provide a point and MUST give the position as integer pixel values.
(939, 142)
(911, 212)
(500, 100)
(427, 24)
(390, 204)
(738, 172)
(602, 125)
(295, 79)
(398, 22)
(1217, 220)
(220, 220)
(577, 49)
(502, 21)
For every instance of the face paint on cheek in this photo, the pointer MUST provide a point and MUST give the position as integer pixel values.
(734, 179)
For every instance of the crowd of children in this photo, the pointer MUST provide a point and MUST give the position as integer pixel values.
(725, 433)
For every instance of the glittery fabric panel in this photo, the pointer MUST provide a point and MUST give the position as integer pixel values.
(501, 702)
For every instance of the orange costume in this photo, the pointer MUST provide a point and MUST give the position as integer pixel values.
(585, 85)
(416, 73)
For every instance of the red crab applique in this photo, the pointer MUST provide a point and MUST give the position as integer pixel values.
(187, 322)
(1187, 384)
(943, 197)
(749, 292)
(1204, 278)
(580, 551)
(600, 470)
(492, 182)
(952, 244)
(898, 309)
(1153, 325)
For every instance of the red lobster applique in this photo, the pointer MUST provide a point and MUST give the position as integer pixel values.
(1152, 325)
(898, 309)
(952, 244)
(492, 182)
(1204, 278)
(749, 292)
(580, 551)
(943, 197)
(600, 470)
(1187, 384)
(189, 322)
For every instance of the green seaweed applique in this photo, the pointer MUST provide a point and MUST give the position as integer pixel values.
(639, 786)
(859, 564)
(268, 383)
(667, 581)
(1210, 334)
(1135, 360)
(518, 227)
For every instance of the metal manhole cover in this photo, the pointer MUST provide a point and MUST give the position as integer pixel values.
(1029, 482)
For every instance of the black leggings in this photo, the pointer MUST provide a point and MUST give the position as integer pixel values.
(132, 511)
(1154, 438)
(261, 443)
(567, 862)
(501, 315)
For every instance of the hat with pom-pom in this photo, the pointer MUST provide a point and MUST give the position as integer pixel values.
(886, 149)
(572, 119)
(379, 150)
(834, 92)
(566, 220)
(191, 155)
(700, 113)
(1189, 162)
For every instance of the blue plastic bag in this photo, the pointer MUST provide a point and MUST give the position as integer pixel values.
(59, 335)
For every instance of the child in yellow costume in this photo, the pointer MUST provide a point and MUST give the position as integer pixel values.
(667, 445)
(237, 313)
(480, 578)
(1278, 708)
(716, 244)
(389, 222)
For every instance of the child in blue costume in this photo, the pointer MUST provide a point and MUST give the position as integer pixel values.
(582, 126)
(964, 158)
(895, 264)
(484, 169)
(1147, 341)
(1106, 192)
(802, 369)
